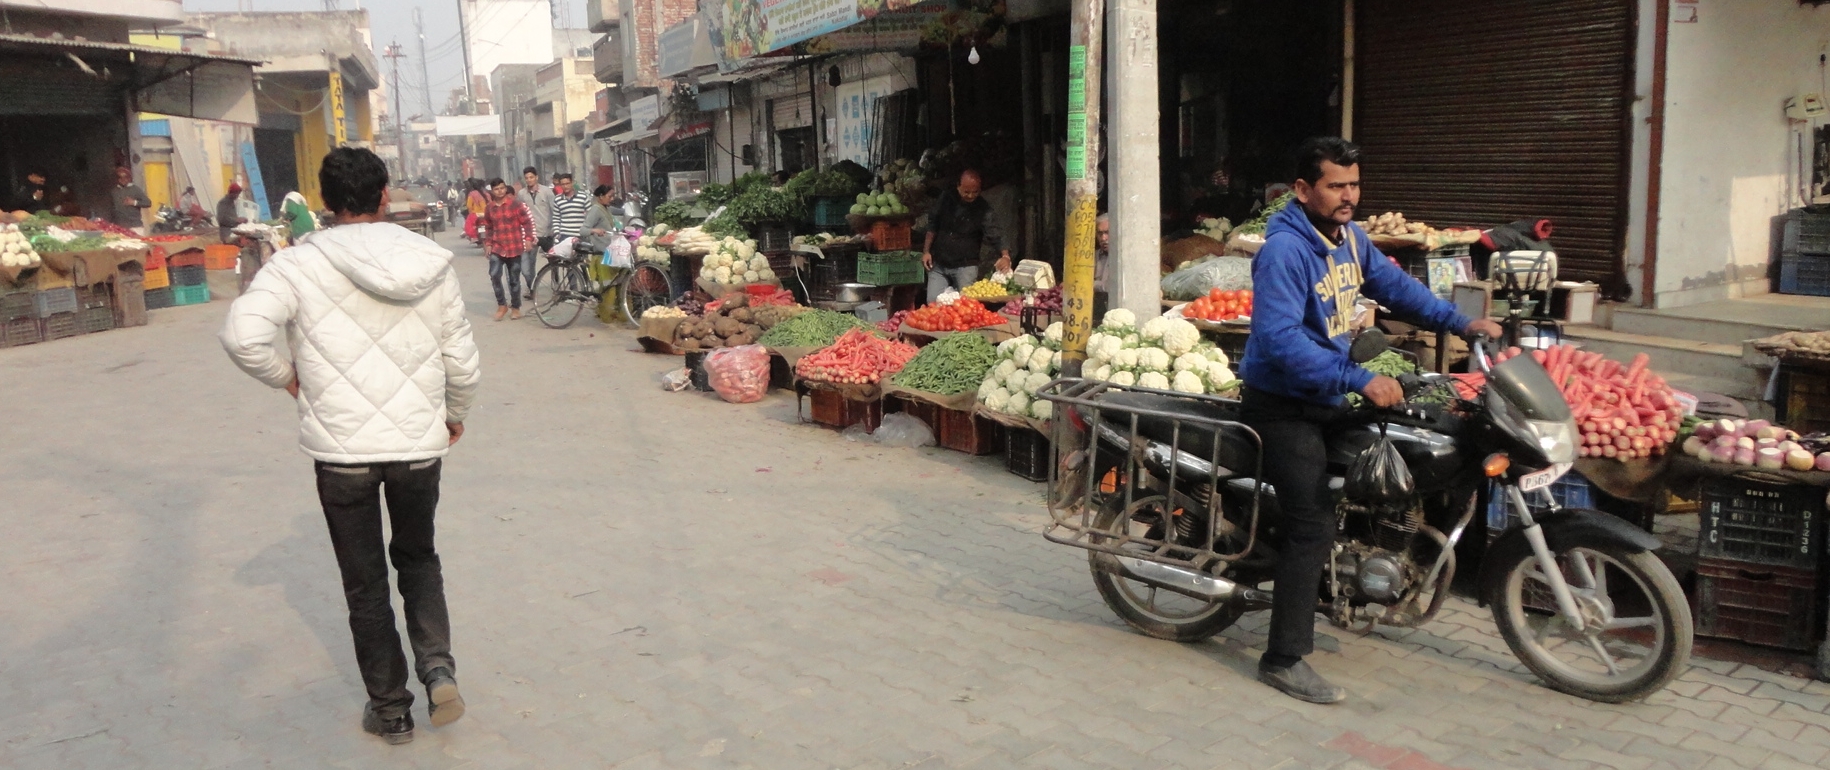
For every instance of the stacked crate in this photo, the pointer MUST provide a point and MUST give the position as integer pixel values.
(157, 282)
(1804, 254)
(221, 268)
(189, 283)
(18, 322)
(1759, 547)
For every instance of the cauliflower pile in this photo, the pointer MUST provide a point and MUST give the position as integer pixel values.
(1024, 365)
(1162, 353)
(733, 262)
(647, 249)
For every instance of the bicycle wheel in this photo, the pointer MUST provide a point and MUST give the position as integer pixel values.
(646, 286)
(557, 298)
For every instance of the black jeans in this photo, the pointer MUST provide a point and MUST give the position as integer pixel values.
(1296, 465)
(351, 495)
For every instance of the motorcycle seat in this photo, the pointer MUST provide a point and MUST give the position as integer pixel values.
(1238, 451)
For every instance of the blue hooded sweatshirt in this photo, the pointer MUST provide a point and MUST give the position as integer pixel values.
(1303, 293)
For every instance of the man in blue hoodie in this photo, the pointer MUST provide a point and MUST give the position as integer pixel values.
(1314, 265)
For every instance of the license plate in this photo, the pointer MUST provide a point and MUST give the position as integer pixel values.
(1543, 478)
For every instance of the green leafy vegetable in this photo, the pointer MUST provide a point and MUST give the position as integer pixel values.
(1256, 226)
(675, 214)
(812, 329)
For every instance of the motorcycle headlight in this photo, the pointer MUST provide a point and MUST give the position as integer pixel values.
(1556, 437)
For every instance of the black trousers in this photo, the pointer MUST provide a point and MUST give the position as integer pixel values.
(351, 496)
(1296, 464)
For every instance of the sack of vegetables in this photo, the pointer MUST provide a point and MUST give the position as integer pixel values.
(739, 375)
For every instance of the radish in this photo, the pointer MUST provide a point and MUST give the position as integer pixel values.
(1706, 431)
(1753, 427)
(1823, 461)
(1766, 443)
(1693, 446)
(1744, 442)
(1770, 432)
(1744, 456)
(1799, 460)
(1770, 459)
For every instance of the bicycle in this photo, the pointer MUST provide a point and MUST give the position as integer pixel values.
(564, 286)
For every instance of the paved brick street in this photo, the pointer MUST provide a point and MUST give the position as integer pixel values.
(651, 580)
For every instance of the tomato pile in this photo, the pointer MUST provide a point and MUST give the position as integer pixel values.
(856, 358)
(1221, 306)
(963, 315)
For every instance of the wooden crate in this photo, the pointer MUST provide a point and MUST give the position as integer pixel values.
(1758, 604)
(963, 431)
(833, 410)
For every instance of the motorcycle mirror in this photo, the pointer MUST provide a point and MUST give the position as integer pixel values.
(1368, 346)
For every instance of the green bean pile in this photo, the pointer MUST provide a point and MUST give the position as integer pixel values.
(812, 329)
(950, 365)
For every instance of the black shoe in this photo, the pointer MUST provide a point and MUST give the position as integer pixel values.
(444, 704)
(1299, 681)
(395, 731)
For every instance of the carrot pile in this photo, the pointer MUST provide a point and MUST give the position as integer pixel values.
(856, 358)
(965, 314)
(1624, 412)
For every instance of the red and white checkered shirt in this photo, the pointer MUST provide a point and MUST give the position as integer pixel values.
(508, 230)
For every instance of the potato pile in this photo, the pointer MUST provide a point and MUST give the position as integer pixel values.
(733, 323)
(1802, 344)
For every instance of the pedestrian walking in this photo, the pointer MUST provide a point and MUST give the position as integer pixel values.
(508, 232)
(127, 200)
(569, 205)
(963, 222)
(384, 371)
(538, 199)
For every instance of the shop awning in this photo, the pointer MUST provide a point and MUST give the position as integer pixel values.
(611, 129)
(622, 138)
(163, 81)
(743, 74)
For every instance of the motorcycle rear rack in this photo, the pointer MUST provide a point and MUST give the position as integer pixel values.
(1075, 451)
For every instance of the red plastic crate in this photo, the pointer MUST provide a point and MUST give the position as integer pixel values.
(1758, 604)
(186, 258)
(890, 236)
(221, 256)
(833, 410)
(963, 431)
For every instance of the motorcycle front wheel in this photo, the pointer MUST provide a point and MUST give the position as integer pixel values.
(1153, 611)
(1637, 630)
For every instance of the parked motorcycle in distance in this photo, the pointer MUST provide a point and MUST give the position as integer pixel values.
(1162, 489)
(171, 220)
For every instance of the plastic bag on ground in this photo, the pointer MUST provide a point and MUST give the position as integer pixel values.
(676, 380)
(739, 375)
(903, 430)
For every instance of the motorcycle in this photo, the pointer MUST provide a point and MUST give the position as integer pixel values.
(1165, 491)
(170, 220)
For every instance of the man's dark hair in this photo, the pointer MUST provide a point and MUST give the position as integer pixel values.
(351, 180)
(1333, 149)
(491, 184)
(562, 175)
(530, 170)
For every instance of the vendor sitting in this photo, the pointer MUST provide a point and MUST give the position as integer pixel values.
(962, 223)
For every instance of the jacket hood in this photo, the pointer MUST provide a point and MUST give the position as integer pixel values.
(384, 258)
(1294, 220)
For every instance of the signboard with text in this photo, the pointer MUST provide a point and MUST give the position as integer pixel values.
(741, 29)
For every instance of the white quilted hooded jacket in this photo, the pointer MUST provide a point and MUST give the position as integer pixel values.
(380, 344)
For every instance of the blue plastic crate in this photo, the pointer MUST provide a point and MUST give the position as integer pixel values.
(1571, 491)
(1804, 274)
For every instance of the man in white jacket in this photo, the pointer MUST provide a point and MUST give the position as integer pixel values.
(384, 371)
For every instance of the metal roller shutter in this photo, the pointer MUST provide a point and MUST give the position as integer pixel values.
(1480, 114)
(794, 111)
(37, 88)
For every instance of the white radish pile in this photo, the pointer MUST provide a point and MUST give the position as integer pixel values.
(1755, 443)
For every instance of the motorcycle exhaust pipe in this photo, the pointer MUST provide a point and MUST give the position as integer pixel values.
(1184, 581)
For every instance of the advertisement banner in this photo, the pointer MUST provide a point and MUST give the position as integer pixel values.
(898, 30)
(643, 114)
(741, 29)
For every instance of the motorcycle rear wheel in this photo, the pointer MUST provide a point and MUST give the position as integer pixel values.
(1646, 627)
(1153, 611)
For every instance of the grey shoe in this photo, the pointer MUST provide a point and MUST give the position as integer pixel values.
(444, 705)
(395, 731)
(1299, 681)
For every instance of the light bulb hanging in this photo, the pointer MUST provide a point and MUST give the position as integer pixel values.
(972, 57)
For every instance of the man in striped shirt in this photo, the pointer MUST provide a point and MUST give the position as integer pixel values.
(568, 208)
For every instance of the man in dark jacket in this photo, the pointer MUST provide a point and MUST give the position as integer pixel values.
(961, 224)
(127, 200)
(226, 218)
(1314, 265)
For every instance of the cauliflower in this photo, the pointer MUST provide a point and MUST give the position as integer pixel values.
(1191, 362)
(1109, 347)
(1102, 373)
(1022, 352)
(1180, 336)
(722, 275)
(1039, 359)
(1153, 329)
(1118, 317)
(1041, 410)
(1052, 335)
(1036, 381)
(751, 276)
(1154, 359)
(997, 399)
(1054, 362)
(1016, 380)
(766, 273)
(1125, 359)
(746, 249)
(985, 388)
(1187, 381)
(1094, 342)
(1217, 376)
(1216, 355)
(1018, 403)
(1003, 369)
(709, 273)
(1094, 362)
(758, 263)
(1153, 380)
(1123, 379)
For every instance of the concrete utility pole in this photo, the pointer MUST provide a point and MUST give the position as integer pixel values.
(425, 79)
(470, 97)
(1133, 277)
(400, 134)
(1085, 34)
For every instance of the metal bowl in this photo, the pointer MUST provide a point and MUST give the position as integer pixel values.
(853, 292)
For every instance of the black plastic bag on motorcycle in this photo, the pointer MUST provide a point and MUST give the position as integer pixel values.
(1379, 474)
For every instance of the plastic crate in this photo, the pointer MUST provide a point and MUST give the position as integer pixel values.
(891, 236)
(186, 258)
(891, 269)
(155, 259)
(129, 303)
(1806, 401)
(1757, 603)
(46, 279)
(963, 431)
(157, 278)
(20, 331)
(774, 238)
(95, 319)
(52, 301)
(1026, 453)
(58, 326)
(1806, 232)
(188, 275)
(99, 294)
(221, 256)
(695, 368)
(16, 303)
(190, 295)
(1570, 491)
(1804, 274)
(828, 213)
(159, 299)
(1758, 523)
(833, 410)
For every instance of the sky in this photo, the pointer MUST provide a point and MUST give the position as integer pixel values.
(391, 21)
